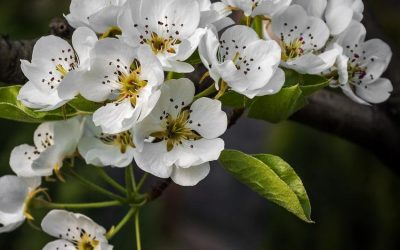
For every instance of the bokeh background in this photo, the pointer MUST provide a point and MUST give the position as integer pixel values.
(355, 198)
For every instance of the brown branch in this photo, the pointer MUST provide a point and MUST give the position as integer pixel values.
(370, 127)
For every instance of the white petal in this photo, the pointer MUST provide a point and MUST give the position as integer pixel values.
(57, 222)
(190, 176)
(314, 8)
(59, 245)
(113, 116)
(186, 12)
(13, 192)
(84, 40)
(105, 19)
(208, 49)
(376, 92)
(192, 153)
(32, 97)
(21, 160)
(155, 160)
(338, 18)
(271, 7)
(207, 118)
(9, 227)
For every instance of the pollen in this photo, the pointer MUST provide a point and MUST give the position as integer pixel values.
(176, 130)
(292, 50)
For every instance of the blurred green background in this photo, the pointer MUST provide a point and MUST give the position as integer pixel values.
(355, 199)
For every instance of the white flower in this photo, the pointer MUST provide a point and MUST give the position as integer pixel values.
(181, 137)
(127, 78)
(15, 195)
(169, 27)
(360, 67)
(214, 13)
(301, 38)
(54, 71)
(101, 149)
(337, 14)
(248, 64)
(54, 141)
(74, 231)
(258, 7)
(99, 15)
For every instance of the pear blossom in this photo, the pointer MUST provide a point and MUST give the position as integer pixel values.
(101, 149)
(99, 15)
(74, 232)
(359, 68)
(53, 142)
(248, 64)
(179, 137)
(337, 14)
(258, 7)
(302, 38)
(169, 27)
(15, 195)
(127, 79)
(215, 14)
(54, 71)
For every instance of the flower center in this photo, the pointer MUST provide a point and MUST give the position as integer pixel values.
(62, 70)
(122, 140)
(356, 74)
(87, 243)
(160, 45)
(292, 50)
(176, 130)
(131, 84)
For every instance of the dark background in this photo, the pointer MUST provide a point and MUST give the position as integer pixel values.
(355, 198)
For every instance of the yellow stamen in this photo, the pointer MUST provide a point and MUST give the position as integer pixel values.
(87, 243)
(113, 31)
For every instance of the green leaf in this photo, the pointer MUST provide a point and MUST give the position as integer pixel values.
(272, 178)
(278, 107)
(12, 109)
(234, 100)
(290, 99)
(84, 106)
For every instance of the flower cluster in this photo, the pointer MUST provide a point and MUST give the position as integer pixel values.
(129, 57)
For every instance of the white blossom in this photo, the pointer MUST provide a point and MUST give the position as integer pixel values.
(54, 72)
(258, 7)
(248, 64)
(179, 137)
(214, 13)
(302, 38)
(15, 195)
(169, 27)
(99, 15)
(127, 79)
(74, 232)
(359, 69)
(101, 149)
(53, 142)
(337, 14)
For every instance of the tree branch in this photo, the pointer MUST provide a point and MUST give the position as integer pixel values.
(12, 52)
(370, 127)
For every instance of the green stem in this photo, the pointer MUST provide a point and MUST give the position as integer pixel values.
(170, 75)
(129, 182)
(51, 205)
(207, 92)
(110, 180)
(121, 224)
(137, 231)
(133, 178)
(97, 188)
(141, 182)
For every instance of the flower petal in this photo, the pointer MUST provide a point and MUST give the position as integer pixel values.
(190, 176)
